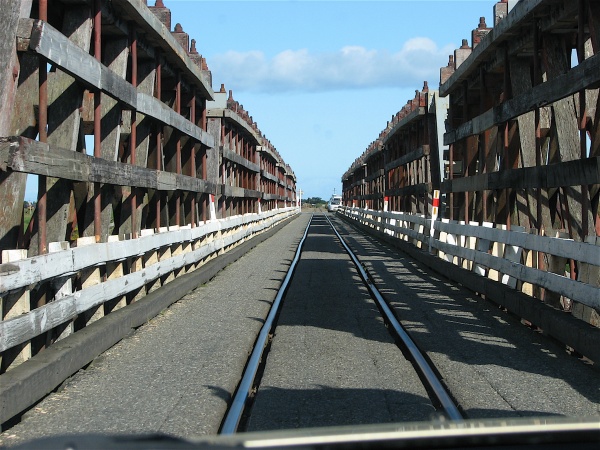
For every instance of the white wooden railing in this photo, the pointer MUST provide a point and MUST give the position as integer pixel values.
(93, 279)
(509, 257)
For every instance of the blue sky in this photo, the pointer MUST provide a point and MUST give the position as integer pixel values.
(321, 78)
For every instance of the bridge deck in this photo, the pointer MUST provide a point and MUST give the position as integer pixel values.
(176, 374)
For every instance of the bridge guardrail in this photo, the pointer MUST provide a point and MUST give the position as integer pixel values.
(86, 282)
(503, 256)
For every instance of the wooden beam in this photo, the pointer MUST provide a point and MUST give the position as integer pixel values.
(570, 173)
(500, 33)
(235, 120)
(50, 43)
(240, 160)
(406, 120)
(410, 190)
(238, 192)
(409, 157)
(25, 155)
(583, 76)
(157, 34)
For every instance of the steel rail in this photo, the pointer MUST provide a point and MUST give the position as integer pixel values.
(423, 366)
(234, 413)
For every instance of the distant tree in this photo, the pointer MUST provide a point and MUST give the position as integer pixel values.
(315, 201)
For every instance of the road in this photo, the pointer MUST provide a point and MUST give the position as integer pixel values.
(331, 361)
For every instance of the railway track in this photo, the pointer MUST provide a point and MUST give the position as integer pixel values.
(240, 409)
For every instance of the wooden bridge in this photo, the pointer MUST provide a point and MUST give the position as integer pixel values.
(143, 171)
(510, 143)
(145, 174)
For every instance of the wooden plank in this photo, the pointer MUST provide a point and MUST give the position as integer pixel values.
(63, 287)
(150, 106)
(25, 155)
(568, 173)
(466, 184)
(19, 274)
(18, 86)
(156, 33)
(145, 128)
(240, 160)
(500, 33)
(65, 97)
(421, 188)
(90, 276)
(512, 253)
(483, 245)
(374, 176)
(575, 290)
(15, 304)
(9, 66)
(564, 85)
(579, 251)
(406, 120)
(22, 328)
(50, 43)
(269, 176)
(409, 157)
(370, 196)
(556, 62)
(12, 185)
(520, 77)
(116, 51)
(240, 124)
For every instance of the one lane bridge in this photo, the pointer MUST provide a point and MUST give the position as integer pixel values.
(177, 374)
(475, 212)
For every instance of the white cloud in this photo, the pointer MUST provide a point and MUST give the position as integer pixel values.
(351, 67)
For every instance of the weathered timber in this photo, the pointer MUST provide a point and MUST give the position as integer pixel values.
(500, 33)
(240, 160)
(571, 173)
(232, 191)
(408, 158)
(370, 196)
(421, 188)
(24, 155)
(38, 269)
(115, 53)
(144, 126)
(239, 122)
(564, 85)
(48, 42)
(65, 97)
(159, 36)
(9, 64)
(18, 86)
(575, 290)
(375, 175)
(520, 75)
(21, 329)
(409, 118)
(579, 251)
(556, 61)
(269, 176)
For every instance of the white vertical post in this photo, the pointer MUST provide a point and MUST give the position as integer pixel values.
(13, 305)
(63, 286)
(435, 205)
(213, 213)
